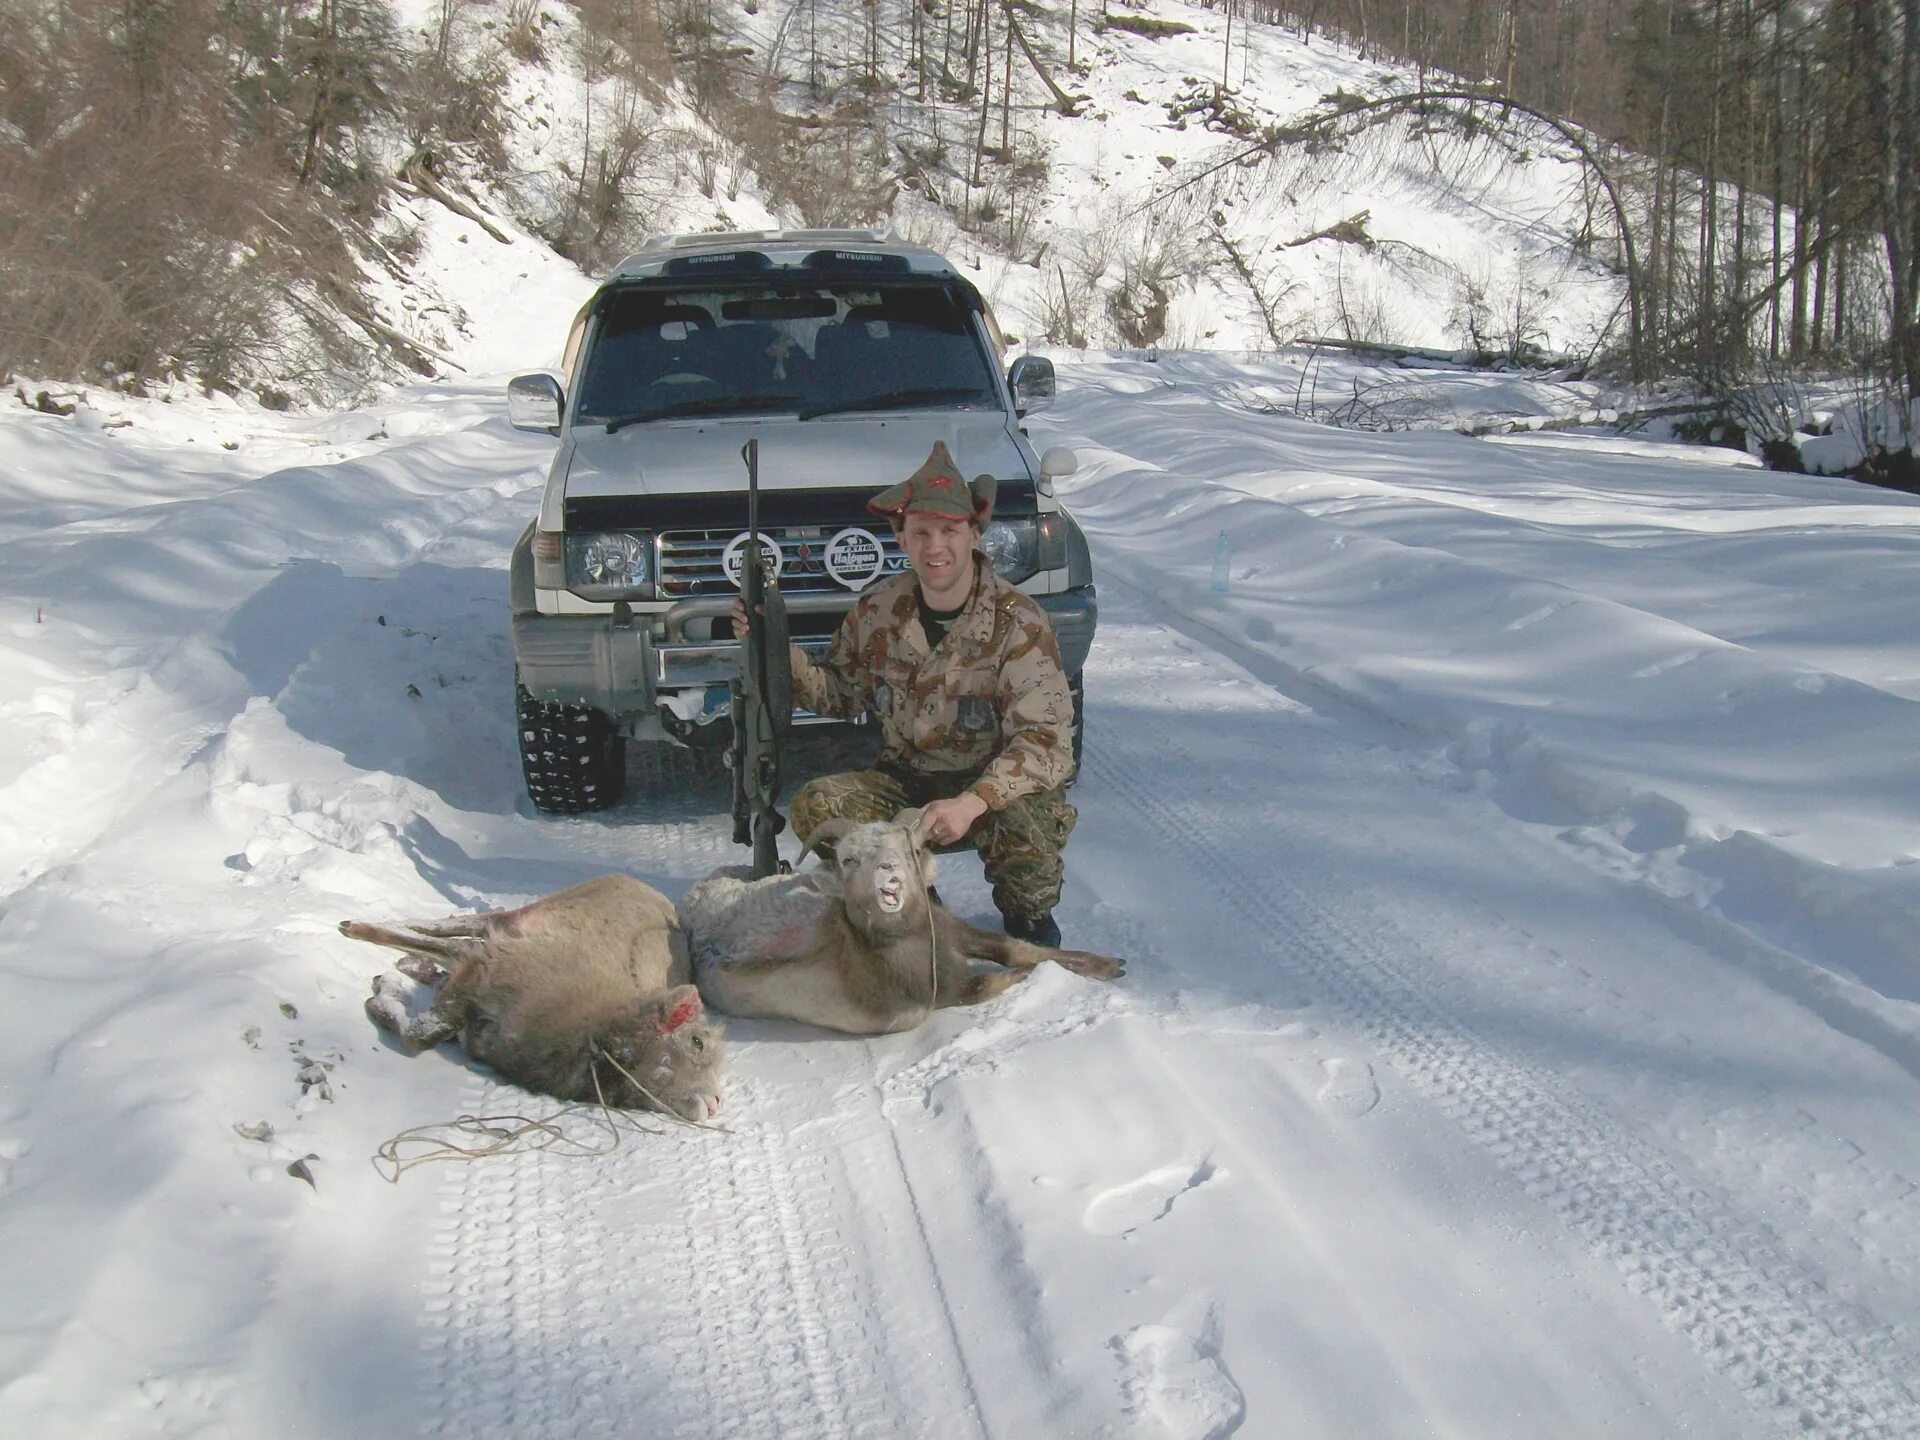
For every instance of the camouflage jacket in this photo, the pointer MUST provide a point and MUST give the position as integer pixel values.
(991, 697)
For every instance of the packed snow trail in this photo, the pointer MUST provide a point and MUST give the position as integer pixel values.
(1408, 1119)
(1720, 1277)
(752, 1265)
(801, 1274)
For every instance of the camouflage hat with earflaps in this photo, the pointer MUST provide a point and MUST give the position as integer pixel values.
(938, 488)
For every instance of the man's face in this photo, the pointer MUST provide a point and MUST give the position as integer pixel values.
(940, 548)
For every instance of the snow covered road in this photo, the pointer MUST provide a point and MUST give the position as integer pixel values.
(1486, 1067)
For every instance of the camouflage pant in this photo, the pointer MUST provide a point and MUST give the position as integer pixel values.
(1019, 846)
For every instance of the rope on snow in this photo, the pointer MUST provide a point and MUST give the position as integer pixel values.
(503, 1134)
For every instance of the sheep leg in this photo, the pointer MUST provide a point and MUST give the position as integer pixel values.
(963, 941)
(1091, 964)
(418, 967)
(453, 927)
(429, 946)
(487, 924)
(444, 1021)
(981, 986)
(385, 1007)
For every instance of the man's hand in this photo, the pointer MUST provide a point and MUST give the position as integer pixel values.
(740, 622)
(946, 821)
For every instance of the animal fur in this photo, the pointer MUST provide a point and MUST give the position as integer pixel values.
(856, 945)
(579, 995)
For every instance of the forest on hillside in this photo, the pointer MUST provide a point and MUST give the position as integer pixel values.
(1772, 148)
(199, 187)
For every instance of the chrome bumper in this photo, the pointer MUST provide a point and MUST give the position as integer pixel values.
(679, 663)
(615, 664)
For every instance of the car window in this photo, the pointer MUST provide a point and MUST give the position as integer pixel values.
(799, 350)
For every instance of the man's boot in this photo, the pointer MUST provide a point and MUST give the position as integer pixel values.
(1034, 929)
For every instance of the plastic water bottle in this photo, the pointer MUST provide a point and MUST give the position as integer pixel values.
(1220, 564)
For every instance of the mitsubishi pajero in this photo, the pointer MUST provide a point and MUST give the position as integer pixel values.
(846, 354)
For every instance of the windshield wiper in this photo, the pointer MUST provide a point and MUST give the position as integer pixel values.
(895, 400)
(706, 405)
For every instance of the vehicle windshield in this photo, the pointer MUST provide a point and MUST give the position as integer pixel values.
(757, 350)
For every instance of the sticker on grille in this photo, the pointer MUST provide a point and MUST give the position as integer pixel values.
(691, 560)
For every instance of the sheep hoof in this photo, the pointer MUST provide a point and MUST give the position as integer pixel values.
(418, 967)
(386, 1010)
(1094, 967)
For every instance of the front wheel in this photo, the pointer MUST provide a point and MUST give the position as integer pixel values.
(571, 756)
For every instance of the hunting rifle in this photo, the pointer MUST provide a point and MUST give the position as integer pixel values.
(762, 695)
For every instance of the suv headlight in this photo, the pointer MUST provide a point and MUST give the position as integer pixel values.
(1010, 545)
(1019, 548)
(611, 565)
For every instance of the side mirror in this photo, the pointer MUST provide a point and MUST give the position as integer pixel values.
(535, 402)
(1031, 380)
(1058, 461)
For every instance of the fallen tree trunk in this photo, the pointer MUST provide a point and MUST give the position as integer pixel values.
(1068, 105)
(417, 173)
(1478, 358)
(1245, 272)
(420, 357)
(1350, 231)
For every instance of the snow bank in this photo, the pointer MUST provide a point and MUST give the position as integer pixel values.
(1753, 764)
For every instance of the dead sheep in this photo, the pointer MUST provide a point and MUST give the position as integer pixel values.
(856, 944)
(582, 994)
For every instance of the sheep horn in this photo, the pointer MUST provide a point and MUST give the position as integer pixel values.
(826, 833)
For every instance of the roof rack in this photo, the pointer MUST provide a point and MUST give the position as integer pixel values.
(877, 235)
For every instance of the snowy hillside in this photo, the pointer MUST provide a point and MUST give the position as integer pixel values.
(1424, 238)
(1515, 860)
(1432, 234)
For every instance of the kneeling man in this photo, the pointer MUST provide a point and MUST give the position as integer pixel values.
(963, 673)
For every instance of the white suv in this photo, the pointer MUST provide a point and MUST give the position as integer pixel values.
(846, 355)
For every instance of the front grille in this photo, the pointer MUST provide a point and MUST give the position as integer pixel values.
(690, 560)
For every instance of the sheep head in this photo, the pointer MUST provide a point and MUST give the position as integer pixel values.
(879, 869)
(665, 1050)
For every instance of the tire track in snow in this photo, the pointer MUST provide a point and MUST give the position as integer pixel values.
(1815, 1363)
(673, 1278)
(683, 1277)
(758, 1257)
(505, 1312)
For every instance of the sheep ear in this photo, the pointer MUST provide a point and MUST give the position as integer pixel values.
(682, 1005)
